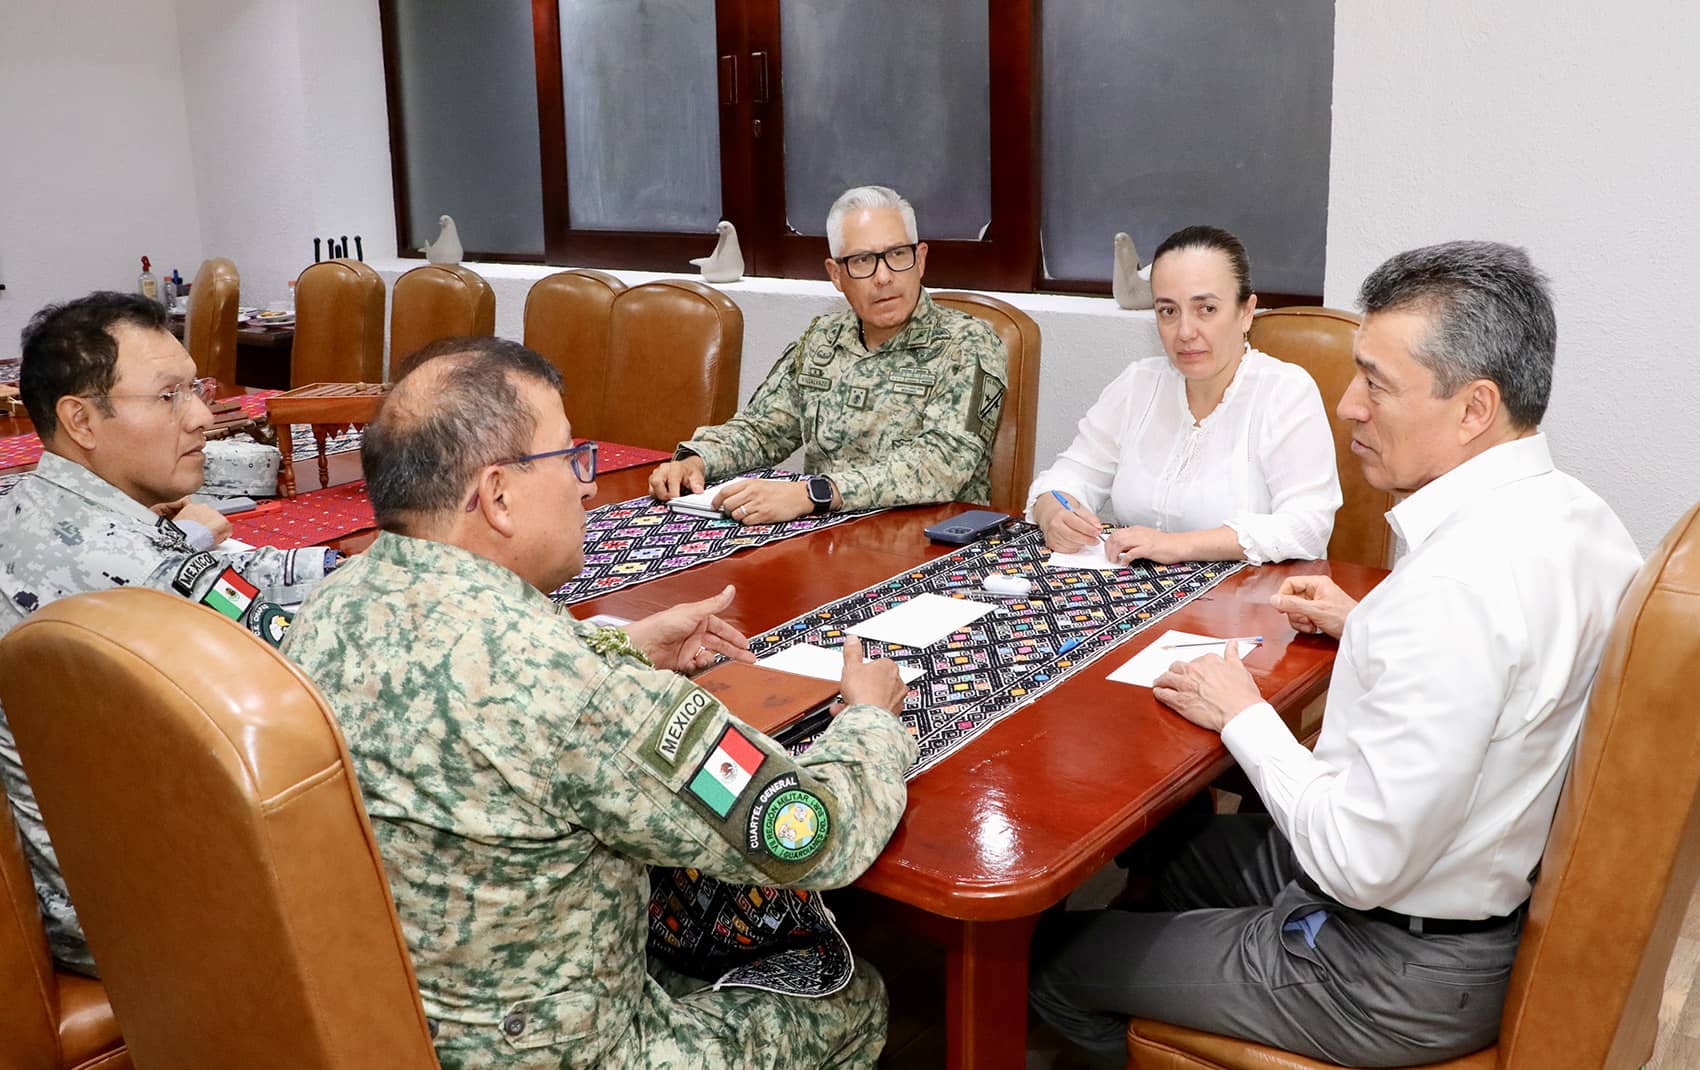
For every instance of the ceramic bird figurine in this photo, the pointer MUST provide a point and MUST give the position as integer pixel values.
(1132, 290)
(726, 263)
(446, 249)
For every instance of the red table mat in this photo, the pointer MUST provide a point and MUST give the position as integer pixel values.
(316, 517)
(19, 450)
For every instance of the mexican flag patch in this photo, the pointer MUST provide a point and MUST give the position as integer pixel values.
(231, 594)
(726, 772)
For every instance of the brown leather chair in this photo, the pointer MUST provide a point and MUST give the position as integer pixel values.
(438, 301)
(339, 325)
(212, 835)
(49, 1019)
(1319, 340)
(211, 329)
(1620, 863)
(1012, 450)
(674, 349)
(566, 321)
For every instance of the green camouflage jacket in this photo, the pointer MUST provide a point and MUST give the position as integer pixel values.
(913, 421)
(523, 770)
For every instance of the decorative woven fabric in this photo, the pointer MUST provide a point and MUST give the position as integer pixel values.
(641, 539)
(1008, 658)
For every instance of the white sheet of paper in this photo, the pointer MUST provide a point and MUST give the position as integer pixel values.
(607, 620)
(921, 621)
(1091, 557)
(1143, 668)
(822, 663)
(701, 503)
(233, 545)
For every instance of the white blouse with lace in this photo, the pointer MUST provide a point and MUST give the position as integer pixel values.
(1262, 462)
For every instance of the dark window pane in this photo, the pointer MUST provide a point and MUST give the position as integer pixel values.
(469, 122)
(889, 93)
(642, 114)
(1158, 115)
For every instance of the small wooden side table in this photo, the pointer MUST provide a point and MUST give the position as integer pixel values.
(327, 407)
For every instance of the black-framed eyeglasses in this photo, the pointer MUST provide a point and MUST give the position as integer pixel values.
(863, 265)
(174, 395)
(582, 457)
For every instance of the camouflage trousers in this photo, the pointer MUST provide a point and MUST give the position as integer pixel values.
(689, 1026)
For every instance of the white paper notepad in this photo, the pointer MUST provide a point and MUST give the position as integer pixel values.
(1091, 557)
(701, 503)
(822, 663)
(1143, 668)
(921, 621)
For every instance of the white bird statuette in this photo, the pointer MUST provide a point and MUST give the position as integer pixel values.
(1131, 289)
(726, 263)
(446, 249)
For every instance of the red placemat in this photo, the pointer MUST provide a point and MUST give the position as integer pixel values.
(611, 456)
(310, 519)
(318, 516)
(19, 450)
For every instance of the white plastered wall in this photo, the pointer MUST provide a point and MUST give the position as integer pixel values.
(1572, 130)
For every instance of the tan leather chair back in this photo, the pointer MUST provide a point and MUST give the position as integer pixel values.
(339, 325)
(674, 349)
(1624, 852)
(50, 1019)
(566, 321)
(212, 835)
(1012, 450)
(211, 328)
(28, 1029)
(438, 301)
(1319, 340)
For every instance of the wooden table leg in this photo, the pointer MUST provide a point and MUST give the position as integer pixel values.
(321, 435)
(986, 995)
(286, 469)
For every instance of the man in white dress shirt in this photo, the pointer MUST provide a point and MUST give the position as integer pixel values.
(1371, 917)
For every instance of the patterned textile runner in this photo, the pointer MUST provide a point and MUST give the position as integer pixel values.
(641, 539)
(1008, 658)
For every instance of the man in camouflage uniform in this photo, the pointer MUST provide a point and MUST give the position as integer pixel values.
(894, 401)
(523, 769)
(114, 398)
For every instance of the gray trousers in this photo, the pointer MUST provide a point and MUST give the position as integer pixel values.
(1369, 993)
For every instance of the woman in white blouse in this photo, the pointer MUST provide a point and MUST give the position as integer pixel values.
(1216, 452)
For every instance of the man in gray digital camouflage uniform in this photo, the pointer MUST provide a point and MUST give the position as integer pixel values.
(523, 770)
(122, 421)
(894, 401)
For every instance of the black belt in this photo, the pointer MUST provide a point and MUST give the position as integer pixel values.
(1412, 923)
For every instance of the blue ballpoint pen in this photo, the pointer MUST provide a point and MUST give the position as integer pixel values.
(1064, 503)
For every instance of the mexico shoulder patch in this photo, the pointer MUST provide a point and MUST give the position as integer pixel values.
(726, 773)
(230, 594)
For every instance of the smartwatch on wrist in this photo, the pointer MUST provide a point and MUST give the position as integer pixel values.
(820, 494)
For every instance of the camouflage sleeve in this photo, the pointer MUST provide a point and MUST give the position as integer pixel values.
(764, 432)
(955, 443)
(239, 584)
(662, 772)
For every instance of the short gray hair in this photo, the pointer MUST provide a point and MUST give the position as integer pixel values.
(855, 199)
(455, 408)
(1491, 317)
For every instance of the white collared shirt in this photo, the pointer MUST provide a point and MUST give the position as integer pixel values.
(1262, 462)
(1457, 694)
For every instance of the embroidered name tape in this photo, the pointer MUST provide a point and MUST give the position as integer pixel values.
(679, 722)
(191, 571)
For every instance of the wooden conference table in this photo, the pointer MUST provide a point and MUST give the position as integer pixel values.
(1013, 822)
